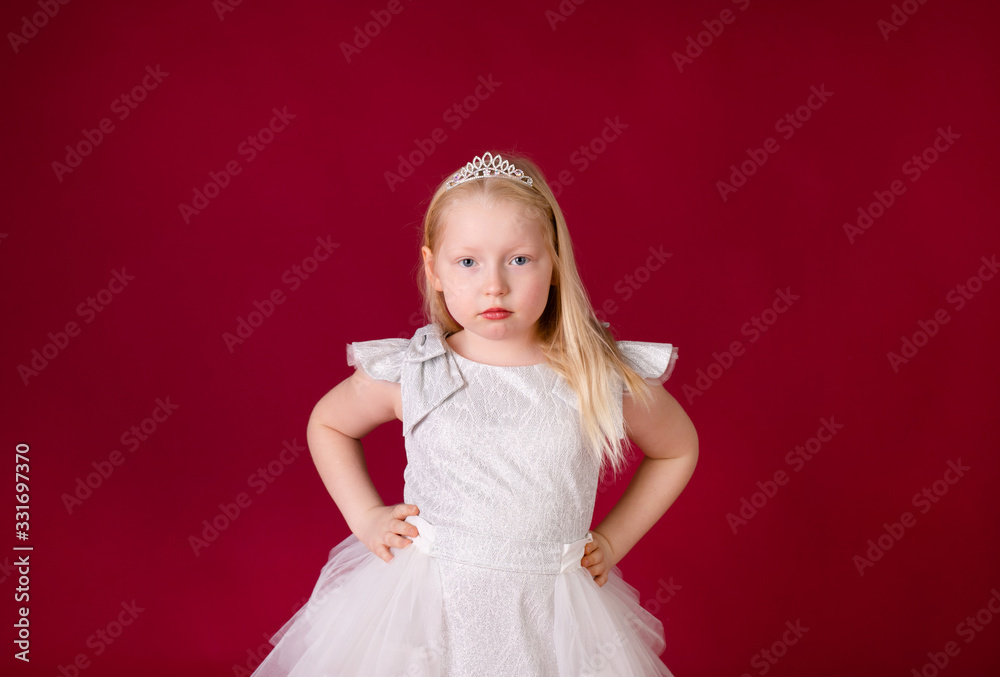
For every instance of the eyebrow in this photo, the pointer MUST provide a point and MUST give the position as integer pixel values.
(453, 249)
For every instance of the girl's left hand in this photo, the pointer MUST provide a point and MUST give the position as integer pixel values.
(597, 558)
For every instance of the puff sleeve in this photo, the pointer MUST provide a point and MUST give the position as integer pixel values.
(381, 359)
(653, 361)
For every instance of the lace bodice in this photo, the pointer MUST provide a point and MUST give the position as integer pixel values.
(493, 446)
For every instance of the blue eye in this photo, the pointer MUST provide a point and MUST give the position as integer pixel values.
(522, 257)
(460, 262)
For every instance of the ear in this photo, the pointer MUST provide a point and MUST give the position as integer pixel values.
(429, 268)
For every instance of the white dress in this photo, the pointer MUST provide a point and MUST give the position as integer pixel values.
(493, 584)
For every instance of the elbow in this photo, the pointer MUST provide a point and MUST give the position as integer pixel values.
(691, 445)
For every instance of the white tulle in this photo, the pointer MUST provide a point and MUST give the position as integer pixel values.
(603, 631)
(365, 617)
(384, 619)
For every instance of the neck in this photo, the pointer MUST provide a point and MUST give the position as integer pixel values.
(500, 353)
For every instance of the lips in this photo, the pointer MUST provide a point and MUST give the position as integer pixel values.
(495, 313)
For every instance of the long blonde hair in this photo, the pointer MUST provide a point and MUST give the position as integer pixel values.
(575, 343)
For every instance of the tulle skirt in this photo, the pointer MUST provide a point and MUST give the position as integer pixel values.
(367, 617)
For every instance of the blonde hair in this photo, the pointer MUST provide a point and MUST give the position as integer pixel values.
(575, 343)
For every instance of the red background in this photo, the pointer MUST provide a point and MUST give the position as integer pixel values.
(654, 185)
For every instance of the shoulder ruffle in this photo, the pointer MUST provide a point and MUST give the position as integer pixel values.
(653, 361)
(422, 365)
(381, 359)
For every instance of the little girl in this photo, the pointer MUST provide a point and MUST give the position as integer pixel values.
(513, 400)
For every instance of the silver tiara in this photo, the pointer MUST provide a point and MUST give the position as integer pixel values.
(486, 166)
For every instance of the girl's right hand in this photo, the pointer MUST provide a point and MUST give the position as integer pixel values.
(384, 527)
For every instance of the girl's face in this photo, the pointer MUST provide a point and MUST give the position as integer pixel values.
(492, 258)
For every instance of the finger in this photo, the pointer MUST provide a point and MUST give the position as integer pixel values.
(396, 540)
(595, 557)
(406, 529)
(404, 510)
(397, 520)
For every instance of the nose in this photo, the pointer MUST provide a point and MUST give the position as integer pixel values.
(496, 282)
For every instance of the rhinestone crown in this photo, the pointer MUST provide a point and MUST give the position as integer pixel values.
(487, 166)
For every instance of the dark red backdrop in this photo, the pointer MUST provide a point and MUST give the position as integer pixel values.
(164, 189)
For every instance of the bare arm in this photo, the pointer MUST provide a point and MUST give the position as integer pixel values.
(355, 407)
(670, 443)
